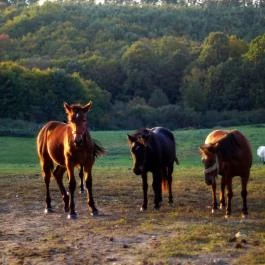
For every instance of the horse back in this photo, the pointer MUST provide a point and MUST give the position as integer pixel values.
(163, 145)
(215, 136)
(245, 154)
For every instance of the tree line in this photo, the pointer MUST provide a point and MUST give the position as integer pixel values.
(142, 66)
(181, 3)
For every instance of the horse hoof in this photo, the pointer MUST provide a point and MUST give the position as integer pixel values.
(244, 216)
(213, 211)
(143, 209)
(48, 210)
(156, 208)
(94, 213)
(227, 216)
(72, 216)
(170, 201)
(81, 191)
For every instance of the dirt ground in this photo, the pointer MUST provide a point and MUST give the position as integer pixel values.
(116, 236)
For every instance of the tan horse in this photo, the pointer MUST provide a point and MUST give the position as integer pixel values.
(63, 146)
(227, 153)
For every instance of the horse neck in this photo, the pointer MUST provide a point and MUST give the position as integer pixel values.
(87, 138)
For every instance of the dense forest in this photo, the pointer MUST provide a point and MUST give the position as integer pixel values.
(180, 64)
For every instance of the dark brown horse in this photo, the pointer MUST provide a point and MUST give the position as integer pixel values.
(227, 153)
(62, 147)
(154, 150)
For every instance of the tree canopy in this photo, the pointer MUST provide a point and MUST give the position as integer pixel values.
(171, 64)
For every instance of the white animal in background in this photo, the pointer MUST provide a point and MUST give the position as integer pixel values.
(261, 153)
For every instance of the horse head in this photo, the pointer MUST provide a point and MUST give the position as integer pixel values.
(210, 161)
(138, 143)
(76, 115)
(137, 152)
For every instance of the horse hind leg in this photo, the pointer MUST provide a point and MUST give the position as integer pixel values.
(244, 193)
(157, 188)
(46, 168)
(169, 181)
(88, 181)
(229, 196)
(222, 193)
(58, 175)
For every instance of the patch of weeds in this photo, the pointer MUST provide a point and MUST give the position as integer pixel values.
(254, 256)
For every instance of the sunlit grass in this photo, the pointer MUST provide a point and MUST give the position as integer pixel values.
(19, 155)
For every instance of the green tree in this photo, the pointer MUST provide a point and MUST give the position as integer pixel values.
(193, 92)
(139, 64)
(237, 47)
(215, 49)
(256, 52)
(158, 98)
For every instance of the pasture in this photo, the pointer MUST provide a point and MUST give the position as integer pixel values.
(185, 233)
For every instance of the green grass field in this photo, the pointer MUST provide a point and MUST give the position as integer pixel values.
(186, 233)
(18, 155)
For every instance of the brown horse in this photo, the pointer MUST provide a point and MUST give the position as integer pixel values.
(67, 145)
(227, 153)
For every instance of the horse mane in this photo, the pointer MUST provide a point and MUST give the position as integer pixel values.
(229, 146)
(141, 132)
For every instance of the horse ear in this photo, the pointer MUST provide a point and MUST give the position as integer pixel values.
(67, 108)
(131, 138)
(146, 134)
(87, 107)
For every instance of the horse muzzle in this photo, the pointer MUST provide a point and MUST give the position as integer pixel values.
(78, 140)
(137, 170)
(209, 180)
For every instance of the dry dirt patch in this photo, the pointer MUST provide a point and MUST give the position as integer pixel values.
(119, 235)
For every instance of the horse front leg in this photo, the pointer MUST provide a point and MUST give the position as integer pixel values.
(244, 193)
(214, 200)
(145, 189)
(88, 182)
(71, 186)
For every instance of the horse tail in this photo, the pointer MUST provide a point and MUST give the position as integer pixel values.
(164, 184)
(165, 176)
(99, 150)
